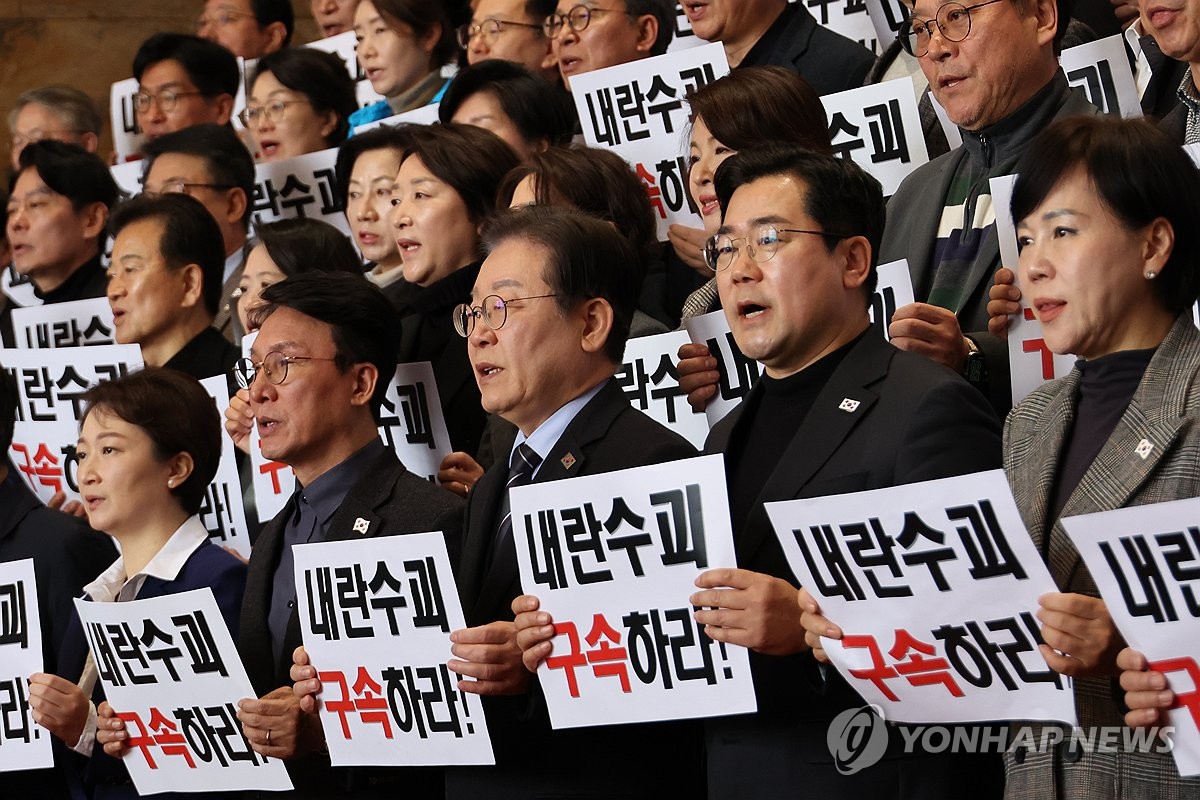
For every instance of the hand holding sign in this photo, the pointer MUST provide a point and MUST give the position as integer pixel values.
(1147, 694)
(816, 627)
(1080, 637)
(1004, 301)
(930, 331)
(239, 419)
(698, 375)
(757, 611)
(277, 728)
(306, 682)
(59, 706)
(111, 732)
(489, 654)
(535, 629)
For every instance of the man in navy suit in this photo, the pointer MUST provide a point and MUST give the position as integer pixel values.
(546, 326)
(837, 410)
(317, 375)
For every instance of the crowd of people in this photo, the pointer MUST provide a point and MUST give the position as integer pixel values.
(518, 262)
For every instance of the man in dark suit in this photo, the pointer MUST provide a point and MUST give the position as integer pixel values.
(317, 375)
(546, 327)
(837, 410)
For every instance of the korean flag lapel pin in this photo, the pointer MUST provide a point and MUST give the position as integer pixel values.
(361, 526)
(1144, 449)
(568, 461)
(848, 405)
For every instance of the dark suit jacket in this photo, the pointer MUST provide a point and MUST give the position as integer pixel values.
(608, 434)
(394, 502)
(1164, 411)
(915, 421)
(209, 567)
(67, 555)
(827, 60)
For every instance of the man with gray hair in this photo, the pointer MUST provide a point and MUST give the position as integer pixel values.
(53, 112)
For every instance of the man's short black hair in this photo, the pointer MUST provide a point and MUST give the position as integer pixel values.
(839, 195)
(268, 11)
(212, 68)
(227, 160)
(588, 258)
(539, 109)
(71, 171)
(664, 12)
(362, 320)
(189, 236)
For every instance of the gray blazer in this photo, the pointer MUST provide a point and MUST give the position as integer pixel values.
(1165, 411)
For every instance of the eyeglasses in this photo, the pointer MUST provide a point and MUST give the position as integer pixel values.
(274, 366)
(577, 19)
(222, 19)
(953, 21)
(273, 111)
(720, 250)
(166, 99)
(488, 30)
(493, 310)
(183, 187)
(37, 135)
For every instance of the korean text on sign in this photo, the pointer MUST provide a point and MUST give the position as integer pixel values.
(613, 559)
(170, 670)
(23, 743)
(651, 382)
(1146, 563)
(376, 616)
(738, 374)
(935, 586)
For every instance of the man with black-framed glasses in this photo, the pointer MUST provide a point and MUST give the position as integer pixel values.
(837, 410)
(545, 330)
(182, 81)
(317, 375)
(587, 35)
(510, 30)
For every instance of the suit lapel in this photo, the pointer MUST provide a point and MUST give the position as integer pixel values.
(1041, 471)
(255, 634)
(483, 505)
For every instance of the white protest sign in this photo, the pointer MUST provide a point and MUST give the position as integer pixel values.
(222, 511)
(952, 131)
(273, 481)
(23, 743)
(129, 177)
(302, 186)
(1031, 363)
(637, 110)
(1101, 69)
(651, 382)
(50, 384)
(850, 18)
(18, 287)
(894, 290)
(1146, 563)
(424, 115)
(376, 616)
(887, 16)
(71, 324)
(738, 373)
(170, 670)
(127, 137)
(879, 127)
(684, 38)
(935, 586)
(613, 559)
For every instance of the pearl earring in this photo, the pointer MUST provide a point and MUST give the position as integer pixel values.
(1151, 274)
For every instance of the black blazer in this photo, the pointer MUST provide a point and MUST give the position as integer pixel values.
(393, 501)
(608, 434)
(915, 421)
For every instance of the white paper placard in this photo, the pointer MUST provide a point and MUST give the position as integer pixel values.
(1146, 563)
(613, 559)
(23, 743)
(129, 177)
(738, 373)
(18, 287)
(894, 290)
(50, 384)
(425, 115)
(171, 671)
(376, 616)
(879, 127)
(649, 378)
(127, 136)
(935, 586)
(1102, 71)
(1031, 363)
(301, 186)
(222, 510)
(72, 324)
(637, 110)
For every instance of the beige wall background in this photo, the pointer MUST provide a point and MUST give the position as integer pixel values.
(90, 44)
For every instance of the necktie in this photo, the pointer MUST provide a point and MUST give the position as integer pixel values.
(524, 463)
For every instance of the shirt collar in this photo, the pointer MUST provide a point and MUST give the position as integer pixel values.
(167, 563)
(546, 435)
(1188, 93)
(326, 494)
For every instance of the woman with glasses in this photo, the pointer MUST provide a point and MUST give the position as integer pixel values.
(300, 102)
(402, 46)
(149, 445)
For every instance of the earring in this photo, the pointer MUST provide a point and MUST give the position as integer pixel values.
(171, 483)
(1151, 274)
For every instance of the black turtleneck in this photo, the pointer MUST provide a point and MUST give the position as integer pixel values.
(83, 284)
(774, 414)
(1106, 385)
